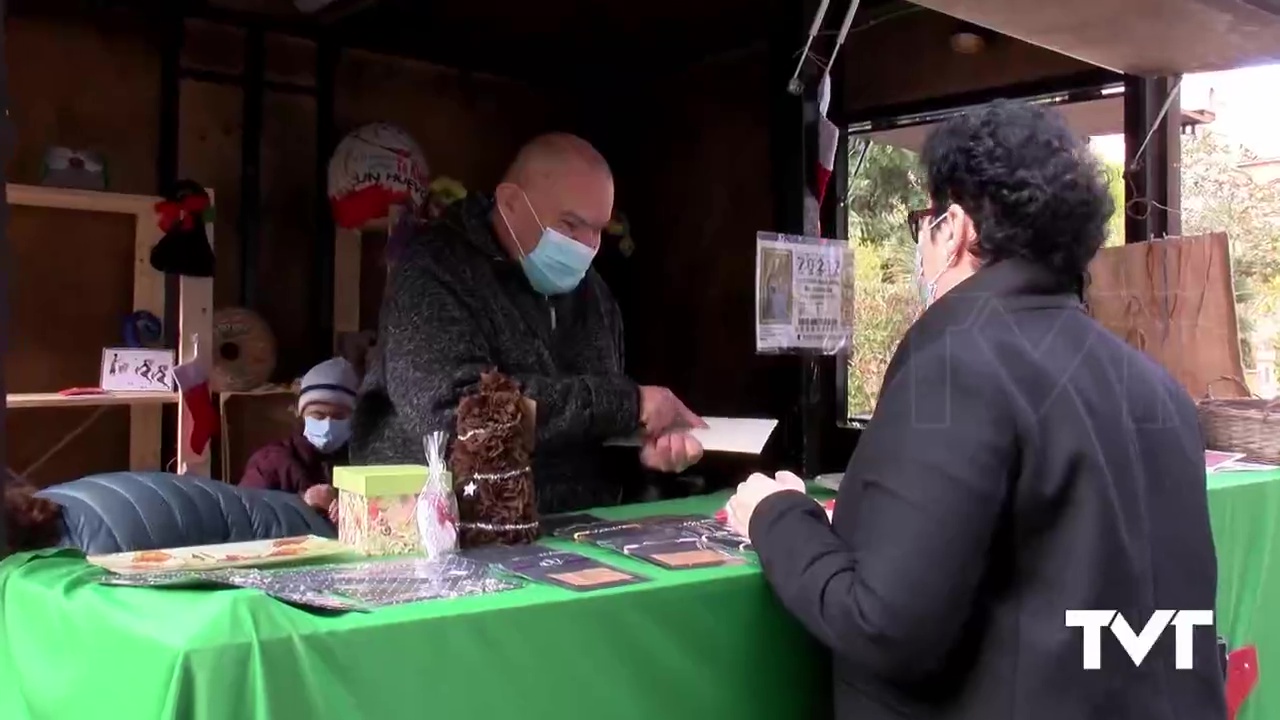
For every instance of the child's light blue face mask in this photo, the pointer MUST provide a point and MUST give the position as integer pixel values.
(327, 434)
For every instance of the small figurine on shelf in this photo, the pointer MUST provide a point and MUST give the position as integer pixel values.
(71, 168)
(492, 477)
(437, 506)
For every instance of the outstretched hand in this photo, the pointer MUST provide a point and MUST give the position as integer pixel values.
(671, 453)
(662, 412)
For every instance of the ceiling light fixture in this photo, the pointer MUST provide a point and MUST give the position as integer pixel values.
(968, 42)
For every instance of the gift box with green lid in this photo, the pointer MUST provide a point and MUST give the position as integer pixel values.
(377, 507)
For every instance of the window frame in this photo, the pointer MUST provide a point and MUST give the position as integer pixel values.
(1090, 87)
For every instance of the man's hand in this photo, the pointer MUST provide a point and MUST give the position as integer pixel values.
(661, 411)
(320, 497)
(671, 453)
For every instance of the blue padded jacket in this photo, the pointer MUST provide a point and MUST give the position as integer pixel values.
(127, 512)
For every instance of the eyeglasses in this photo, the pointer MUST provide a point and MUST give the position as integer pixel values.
(916, 222)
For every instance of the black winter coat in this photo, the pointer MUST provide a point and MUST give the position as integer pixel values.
(1022, 462)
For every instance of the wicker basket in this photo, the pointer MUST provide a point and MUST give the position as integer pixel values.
(1244, 425)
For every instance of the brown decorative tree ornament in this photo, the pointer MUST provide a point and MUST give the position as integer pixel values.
(490, 459)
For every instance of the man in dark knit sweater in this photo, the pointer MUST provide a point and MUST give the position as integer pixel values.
(505, 282)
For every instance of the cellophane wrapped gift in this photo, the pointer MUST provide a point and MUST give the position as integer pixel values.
(490, 459)
(377, 507)
(437, 506)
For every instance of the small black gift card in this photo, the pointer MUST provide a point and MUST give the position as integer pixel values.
(555, 567)
(679, 554)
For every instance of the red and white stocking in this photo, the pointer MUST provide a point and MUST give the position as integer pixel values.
(193, 382)
(828, 138)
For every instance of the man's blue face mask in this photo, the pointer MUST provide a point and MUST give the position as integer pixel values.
(557, 264)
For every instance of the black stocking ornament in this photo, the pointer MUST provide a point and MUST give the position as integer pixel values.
(184, 249)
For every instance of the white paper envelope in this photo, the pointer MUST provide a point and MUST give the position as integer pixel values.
(728, 435)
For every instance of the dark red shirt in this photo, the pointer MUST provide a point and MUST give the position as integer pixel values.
(292, 465)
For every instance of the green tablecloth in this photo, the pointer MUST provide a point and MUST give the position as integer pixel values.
(1245, 510)
(693, 643)
(688, 644)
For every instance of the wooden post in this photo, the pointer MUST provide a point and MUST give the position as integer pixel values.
(324, 289)
(6, 152)
(195, 327)
(148, 295)
(253, 95)
(346, 273)
(346, 282)
(1152, 186)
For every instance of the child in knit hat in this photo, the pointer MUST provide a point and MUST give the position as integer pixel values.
(304, 463)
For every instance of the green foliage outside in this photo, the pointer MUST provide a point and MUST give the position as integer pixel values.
(888, 184)
(1115, 183)
(1217, 195)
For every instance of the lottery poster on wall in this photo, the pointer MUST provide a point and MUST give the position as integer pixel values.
(804, 294)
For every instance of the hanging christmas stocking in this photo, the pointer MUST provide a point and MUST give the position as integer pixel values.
(184, 249)
(193, 382)
(828, 137)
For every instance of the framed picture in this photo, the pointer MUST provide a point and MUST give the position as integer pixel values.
(137, 370)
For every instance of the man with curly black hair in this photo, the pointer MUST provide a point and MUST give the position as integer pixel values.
(1022, 463)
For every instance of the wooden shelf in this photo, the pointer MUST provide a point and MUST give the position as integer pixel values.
(54, 400)
(85, 200)
(194, 320)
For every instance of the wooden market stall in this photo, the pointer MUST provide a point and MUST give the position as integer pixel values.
(250, 98)
(689, 103)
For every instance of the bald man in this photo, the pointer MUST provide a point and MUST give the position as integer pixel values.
(506, 282)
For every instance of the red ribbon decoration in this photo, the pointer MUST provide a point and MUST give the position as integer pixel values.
(183, 211)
